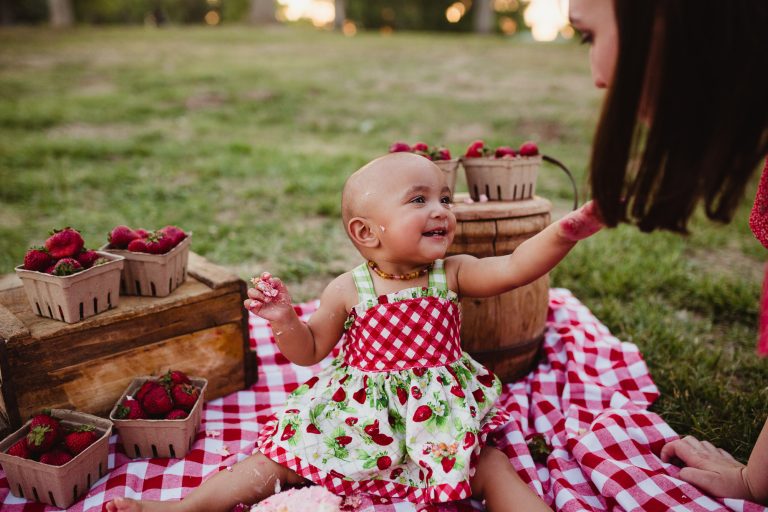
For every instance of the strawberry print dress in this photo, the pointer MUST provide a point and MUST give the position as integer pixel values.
(402, 412)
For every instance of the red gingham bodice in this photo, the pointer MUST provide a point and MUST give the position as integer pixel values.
(398, 333)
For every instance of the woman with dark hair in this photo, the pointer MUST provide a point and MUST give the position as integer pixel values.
(684, 123)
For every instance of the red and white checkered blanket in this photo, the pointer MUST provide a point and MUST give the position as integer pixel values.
(587, 398)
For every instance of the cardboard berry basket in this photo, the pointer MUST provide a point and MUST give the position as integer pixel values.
(153, 275)
(159, 438)
(451, 170)
(502, 179)
(75, 297)
(59, 486)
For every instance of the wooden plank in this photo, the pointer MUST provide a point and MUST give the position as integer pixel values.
(129, 308)
(476, 238)
(512, 232)
(206, 272)
(498, 209)
(94, 385)
(10, 326)
(31, 359)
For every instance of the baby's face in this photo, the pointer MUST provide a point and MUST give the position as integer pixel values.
(411, 212)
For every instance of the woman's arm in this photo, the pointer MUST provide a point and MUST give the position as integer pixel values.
(535, 257)
(716, 472)
(302, 343)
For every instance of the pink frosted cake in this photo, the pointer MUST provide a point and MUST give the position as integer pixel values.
(315, 498)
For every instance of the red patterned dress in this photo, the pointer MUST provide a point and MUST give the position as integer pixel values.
(758, 221)
(402, 412)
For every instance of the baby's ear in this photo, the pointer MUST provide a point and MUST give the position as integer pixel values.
(361, 233)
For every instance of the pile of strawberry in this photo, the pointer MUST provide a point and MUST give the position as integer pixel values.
(141, 240)
(49, 442)
(63, 254)
(478, 150)
(170, 397)
(421, 148)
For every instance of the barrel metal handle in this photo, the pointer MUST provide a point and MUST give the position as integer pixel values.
(562, 166)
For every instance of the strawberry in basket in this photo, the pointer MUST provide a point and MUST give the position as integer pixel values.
(434, 153)
(63, 254)
(160, 241)
(169, 397)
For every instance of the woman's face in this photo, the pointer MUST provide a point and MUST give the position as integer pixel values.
(596, 22)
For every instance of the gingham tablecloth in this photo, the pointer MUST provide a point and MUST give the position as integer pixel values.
(587, 398)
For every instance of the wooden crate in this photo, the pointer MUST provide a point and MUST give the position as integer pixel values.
(201, 328)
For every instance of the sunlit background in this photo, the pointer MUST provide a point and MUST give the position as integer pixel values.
(547, 19)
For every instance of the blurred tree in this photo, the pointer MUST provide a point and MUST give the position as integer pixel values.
(262, 11)
(484, 16)
(340, 14)
(60, 12)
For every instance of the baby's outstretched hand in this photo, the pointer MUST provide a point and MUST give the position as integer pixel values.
(582, 223)
(268, 298)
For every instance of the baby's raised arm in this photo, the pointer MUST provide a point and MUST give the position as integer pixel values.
(535, 257)
(302, 343)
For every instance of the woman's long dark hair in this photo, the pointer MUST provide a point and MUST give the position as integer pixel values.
(686, 115)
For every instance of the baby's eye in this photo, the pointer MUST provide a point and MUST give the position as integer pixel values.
(418, 199)
(446, 200)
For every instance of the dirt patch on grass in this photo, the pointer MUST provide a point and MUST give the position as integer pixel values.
(93, 131)
(205, 100)
(728, 261)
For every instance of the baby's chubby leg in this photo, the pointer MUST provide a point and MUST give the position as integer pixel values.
(249, 481)
(497, 482)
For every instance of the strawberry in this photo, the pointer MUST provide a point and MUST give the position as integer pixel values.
(38, 259)
(339, 395)
(343, 440)
(469, 440)
(372, 429)
(87, 258)
(419, 371)
(49, 270)
(399, 147)
(138, 245)
(423, 413)
(478, 395)
(42, 438)
(157, 401)
(351, 421)
(415, 392)
(402, 396)
(288, 432)
(80, 438)
(448, 463)
(311, 382)
(292, 411)
(312, 429)
(472, 411)
(130, 409)
(529, 149)
(64, 243)
(395, 473)
(66, 267)
(175, 377)
(185, 396)
(441, 154)
(143, 233)
(121, 236)
(20, 449)
(457, 391)
(381, 439)
(383, 462)
(145, 388)
(57, 457)
(359, 395)
(164, 243)
(176, 414)
(420, 147)
(475, 150)
(487, 380)
(176, 234)
(503, 151)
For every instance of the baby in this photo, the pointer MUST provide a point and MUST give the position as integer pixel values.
(402, 412)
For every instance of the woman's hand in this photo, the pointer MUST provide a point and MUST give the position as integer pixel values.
(269, 298)
(711, 469)
(582, 223)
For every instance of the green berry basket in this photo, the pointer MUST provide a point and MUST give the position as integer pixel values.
(451, 170)
(75, 297)
(59, 486)
(153, 275)
(159, 438)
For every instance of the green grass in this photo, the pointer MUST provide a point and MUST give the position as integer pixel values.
(244, 136)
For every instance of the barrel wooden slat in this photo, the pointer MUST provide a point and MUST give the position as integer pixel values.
(503, 332)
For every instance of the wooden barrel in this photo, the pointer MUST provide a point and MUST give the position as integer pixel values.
(504, 332)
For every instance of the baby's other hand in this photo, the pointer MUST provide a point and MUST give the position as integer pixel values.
(582, 223)
(268, 298)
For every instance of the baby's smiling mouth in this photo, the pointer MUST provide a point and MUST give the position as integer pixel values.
(436, 232)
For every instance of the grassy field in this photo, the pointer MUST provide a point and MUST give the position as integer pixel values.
(244, 136)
